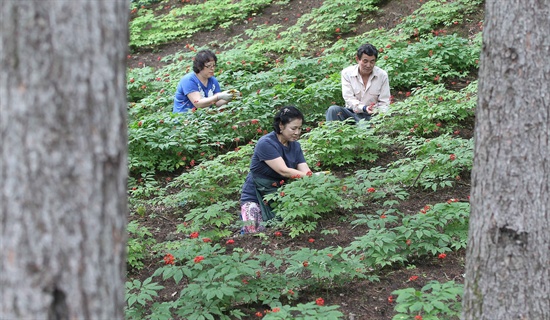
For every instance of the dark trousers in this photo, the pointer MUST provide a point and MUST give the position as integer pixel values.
(337, 113)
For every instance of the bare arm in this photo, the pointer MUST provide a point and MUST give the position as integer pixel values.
(303, 167)
(279, 166)
(200, 102)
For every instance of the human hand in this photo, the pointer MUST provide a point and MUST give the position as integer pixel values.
(236, 94)
(321, 172)
(225, 95)
(370, 109)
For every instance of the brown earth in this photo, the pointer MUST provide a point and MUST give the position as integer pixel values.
(362, 299)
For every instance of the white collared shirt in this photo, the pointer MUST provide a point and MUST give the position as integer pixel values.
(356, 94)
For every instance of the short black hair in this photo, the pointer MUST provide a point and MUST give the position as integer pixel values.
(202, 58)
(367, 49)
(286, 115)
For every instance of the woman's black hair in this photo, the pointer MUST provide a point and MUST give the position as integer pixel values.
(367, 49)
(202, 58)
(286, 115)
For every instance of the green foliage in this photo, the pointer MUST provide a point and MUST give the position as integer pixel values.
(437, 163)
(429, 111)
(430, 60)
(336, 17)
(167, 141)
(437, 229)
(304, 312)
(434, 14)
(216, 217)
(300, 202)
(339, 144)
(139, 241)
(434, 230)
(141, 83)
(145, 186)
(150, 28)
(327, 267)
(138, 294)
(434, 301)
(215, 281)
(212, 181)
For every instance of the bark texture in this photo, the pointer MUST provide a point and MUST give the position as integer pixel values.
(508, 255)
(63, 159)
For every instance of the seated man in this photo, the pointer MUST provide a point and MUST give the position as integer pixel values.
(365, 88)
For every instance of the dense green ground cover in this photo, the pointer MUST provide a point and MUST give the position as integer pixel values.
(204, 156)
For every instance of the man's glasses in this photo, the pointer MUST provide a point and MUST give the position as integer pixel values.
(210, 66)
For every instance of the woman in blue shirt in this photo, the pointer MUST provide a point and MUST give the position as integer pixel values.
(200, 89)
(277, 157)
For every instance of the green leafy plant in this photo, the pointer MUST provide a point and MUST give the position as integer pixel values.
(138, 294)
(301, 311)
(433, 230)
(339, 144)
(139, 241)
(212, 181)
(299, 203)
(145, 186)
(149, 28)
(216, 218)
(434, 14)
(434, 301)
(430, 111)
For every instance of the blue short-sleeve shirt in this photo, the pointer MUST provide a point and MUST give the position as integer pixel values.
(191, 83)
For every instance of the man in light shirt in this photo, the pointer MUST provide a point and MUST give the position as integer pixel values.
(365, 88)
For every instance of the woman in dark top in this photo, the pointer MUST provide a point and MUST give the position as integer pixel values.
(277, 157)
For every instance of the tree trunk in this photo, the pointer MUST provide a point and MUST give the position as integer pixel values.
(63, 159)
(508, 255)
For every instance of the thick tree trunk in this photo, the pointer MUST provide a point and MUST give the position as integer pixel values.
(508, 255)
(63, 159)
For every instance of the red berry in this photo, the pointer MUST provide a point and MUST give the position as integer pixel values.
(320, 301)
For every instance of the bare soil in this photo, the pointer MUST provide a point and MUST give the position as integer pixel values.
(362, 299)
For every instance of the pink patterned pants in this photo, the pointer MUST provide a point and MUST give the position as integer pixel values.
(252, 216)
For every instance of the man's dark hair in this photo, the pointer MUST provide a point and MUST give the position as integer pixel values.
(202, 58)
(367, 49)
(286, 115)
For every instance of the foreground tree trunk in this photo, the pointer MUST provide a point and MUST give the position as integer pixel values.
(508, 255)
(63, 159)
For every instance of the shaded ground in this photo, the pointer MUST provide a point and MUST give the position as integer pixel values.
(363, 300)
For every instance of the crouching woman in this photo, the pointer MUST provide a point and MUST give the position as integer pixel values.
(277, 157)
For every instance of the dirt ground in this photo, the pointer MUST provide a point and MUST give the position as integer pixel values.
(362, 300)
